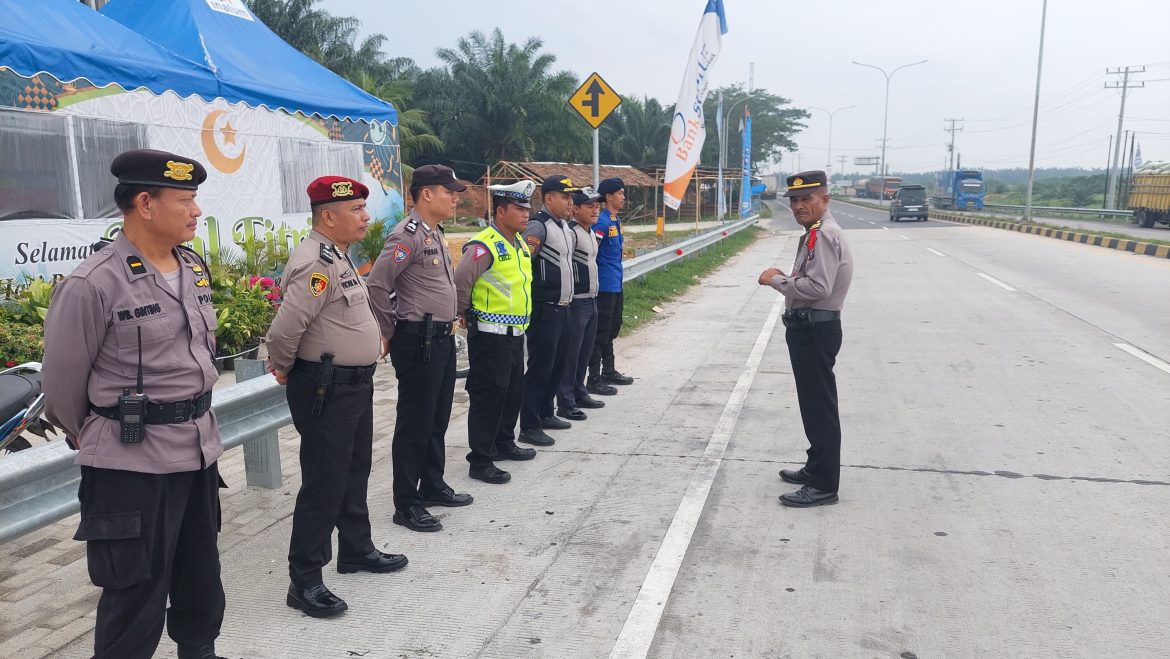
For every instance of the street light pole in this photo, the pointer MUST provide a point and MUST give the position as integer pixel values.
(886, 113)
(829, 155)
(723, 137)
(1035, 118)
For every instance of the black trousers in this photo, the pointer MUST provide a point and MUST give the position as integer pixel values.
(425, 392)
(579, 347)
(609, 325)
(493, 386)
(150, 536)
(813, 350)
(336, 452)
(548, 333)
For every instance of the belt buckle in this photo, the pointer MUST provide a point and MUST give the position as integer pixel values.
(181, 410)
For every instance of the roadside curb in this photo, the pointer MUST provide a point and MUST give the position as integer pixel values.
(1135, 246)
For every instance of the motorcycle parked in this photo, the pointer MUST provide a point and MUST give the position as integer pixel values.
(21, 406)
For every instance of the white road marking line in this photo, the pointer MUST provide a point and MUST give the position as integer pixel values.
(642, 623)
(935, 251)
(995, 281)
(903, 236)
(886, 228)
(1144, 356)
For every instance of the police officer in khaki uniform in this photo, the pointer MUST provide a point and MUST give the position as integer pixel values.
(814, 294)
(128, 371)
(323, 344)
(413, 294)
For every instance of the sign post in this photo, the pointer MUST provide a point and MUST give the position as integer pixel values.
(595, 100)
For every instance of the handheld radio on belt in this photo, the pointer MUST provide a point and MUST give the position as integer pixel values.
(132, 406)
(324, 379)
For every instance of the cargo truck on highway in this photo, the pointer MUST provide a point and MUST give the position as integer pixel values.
(1149, 194)
(882, 188)
(959, 189)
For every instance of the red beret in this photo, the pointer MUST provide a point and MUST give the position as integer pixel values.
(328, 189)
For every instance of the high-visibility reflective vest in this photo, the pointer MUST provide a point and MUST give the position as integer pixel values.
(503, 294)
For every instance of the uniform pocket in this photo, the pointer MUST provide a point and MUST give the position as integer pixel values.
(159, 335)
(115, 549)
(357, 305)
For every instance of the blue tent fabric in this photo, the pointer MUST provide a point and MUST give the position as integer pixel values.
(68, 40)
(252, 63)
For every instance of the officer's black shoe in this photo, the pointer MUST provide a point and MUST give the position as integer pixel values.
(794, 476)
(316, 601)
(553, 423)
(515, 453)
(595, 385)
(489, 473)
(447, 498)
(416, 518)
(375, 562)
(536, 437)
(205, 651)
(573, 413)
(589, 402)
(614, 377)
(807, 497)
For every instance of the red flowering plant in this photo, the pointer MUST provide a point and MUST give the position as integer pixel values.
(267, 287)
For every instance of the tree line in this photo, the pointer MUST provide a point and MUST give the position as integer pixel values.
(490, 100)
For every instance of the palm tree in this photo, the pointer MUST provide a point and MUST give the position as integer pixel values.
(637, 133)
(416, 138)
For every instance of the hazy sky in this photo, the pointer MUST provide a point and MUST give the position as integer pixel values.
(981, 65)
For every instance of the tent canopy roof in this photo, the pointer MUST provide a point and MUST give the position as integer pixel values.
(68, 40)
(252, 63)
(581, 174)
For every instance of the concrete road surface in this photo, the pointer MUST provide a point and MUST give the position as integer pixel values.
(1005, 491)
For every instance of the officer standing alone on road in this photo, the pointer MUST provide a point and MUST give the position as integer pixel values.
(572, 396)
(610, 296)
(551, 242)
(324, 345)
(814, 294)
(128, 371)
(417, 326)
(493, 287)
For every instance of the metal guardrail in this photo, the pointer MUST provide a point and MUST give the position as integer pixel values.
(641, 265)
(38, 486)
(1057, 210)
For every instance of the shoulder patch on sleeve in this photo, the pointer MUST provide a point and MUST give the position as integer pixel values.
(401, 252)
(533, 242)
(479, 251)
(318, 282)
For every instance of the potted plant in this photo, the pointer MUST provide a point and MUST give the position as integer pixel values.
(244, 309)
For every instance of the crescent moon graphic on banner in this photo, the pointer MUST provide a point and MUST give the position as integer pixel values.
(216, 157)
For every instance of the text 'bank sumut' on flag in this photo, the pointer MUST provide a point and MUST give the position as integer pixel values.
(687, 129)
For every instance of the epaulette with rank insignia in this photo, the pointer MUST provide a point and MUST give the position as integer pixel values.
(326, 254)
(440, 228)
(411, 226)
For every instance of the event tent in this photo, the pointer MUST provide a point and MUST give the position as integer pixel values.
(251, 62)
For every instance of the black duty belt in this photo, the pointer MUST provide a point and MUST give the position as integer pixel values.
(419, 327)
(165, 413)
(341, 374)
(806, 317)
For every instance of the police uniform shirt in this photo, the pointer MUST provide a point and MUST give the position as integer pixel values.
(91, 356)
(472, 266)
(584, 262)
(609, 251)
(550, 239)
(822, 272)
(416, 266)
(325, 309)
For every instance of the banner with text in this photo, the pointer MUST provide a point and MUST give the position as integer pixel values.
(688, 128)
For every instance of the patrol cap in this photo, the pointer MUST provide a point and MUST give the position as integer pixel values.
(610, 186)
(587, 195)
(436, 175)
(518, 193)
(152, 168)
(559, 183)
(806, 183)
(328, 189)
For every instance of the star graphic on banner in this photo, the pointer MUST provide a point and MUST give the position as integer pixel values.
(229, 133)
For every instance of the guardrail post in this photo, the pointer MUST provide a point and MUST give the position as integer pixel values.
(261, 454)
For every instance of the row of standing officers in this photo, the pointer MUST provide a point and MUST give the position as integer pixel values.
(137, 318)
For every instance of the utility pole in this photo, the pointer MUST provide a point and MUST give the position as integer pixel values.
(841, 161)
(1035, 116)
(1124, 85)
(951, 147)
(1108, 156)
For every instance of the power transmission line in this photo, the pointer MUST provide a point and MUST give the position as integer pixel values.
(1124, 85)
